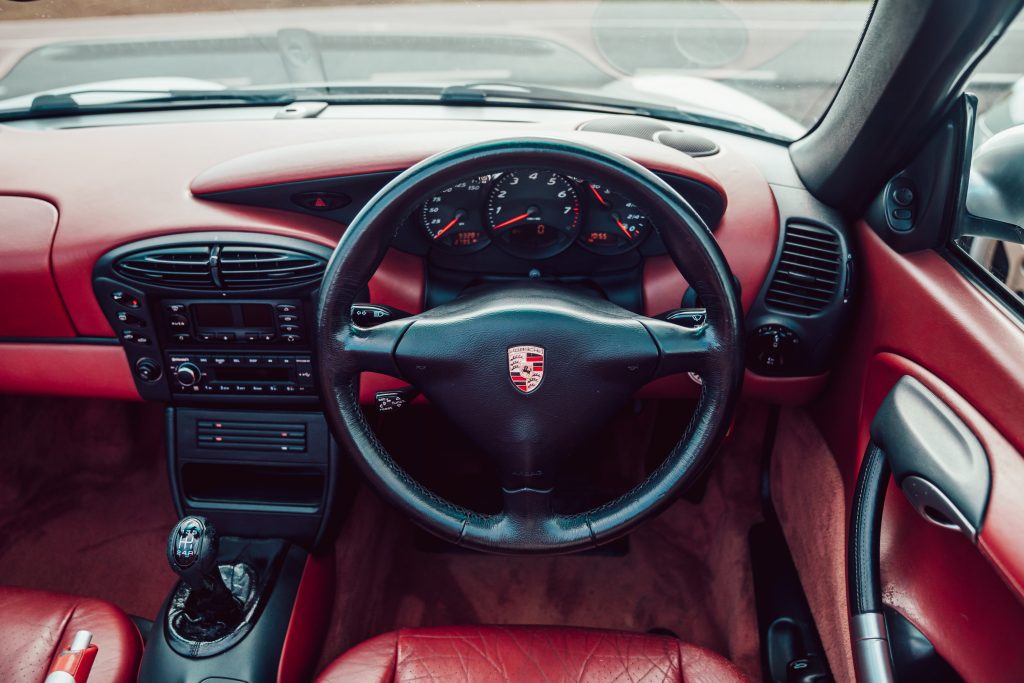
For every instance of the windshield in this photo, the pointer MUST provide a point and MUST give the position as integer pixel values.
(766, 67)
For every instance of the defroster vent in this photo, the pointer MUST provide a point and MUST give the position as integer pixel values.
(281, 437)
(809, 272)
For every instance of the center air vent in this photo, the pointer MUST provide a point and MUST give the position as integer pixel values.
(263, 267)
(236, 267)
(187, 267)
(809, 271)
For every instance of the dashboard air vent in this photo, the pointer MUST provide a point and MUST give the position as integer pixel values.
(809, 270)
(265, 267)
(187, 267)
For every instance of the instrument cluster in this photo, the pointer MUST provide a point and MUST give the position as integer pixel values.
(533, 213)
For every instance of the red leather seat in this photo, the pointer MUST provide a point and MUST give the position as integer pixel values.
(36, 625)
(513, 654)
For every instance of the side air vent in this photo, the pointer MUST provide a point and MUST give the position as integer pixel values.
(187, 267)
(809, 271)
(263, 268)
(281, 437)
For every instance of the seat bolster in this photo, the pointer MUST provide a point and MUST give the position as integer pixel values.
(372, 661)
(36, 625)
(522, 654)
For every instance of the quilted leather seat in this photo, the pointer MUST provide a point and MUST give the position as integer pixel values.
(514, 654)
(36, 625)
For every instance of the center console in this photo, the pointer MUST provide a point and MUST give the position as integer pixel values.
(219, 326)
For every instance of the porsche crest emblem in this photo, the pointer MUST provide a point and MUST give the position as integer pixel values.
(526, 367)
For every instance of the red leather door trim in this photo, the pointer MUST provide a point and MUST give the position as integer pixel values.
(919, 316)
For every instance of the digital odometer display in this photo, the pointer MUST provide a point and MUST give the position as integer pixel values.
(452, 217)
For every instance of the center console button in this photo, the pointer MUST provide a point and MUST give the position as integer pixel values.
(286, 308)
(291, 338)
(129, 319)
(147, 369)
(288, 319)
(177, 322)
(181, 338)
(187, 374)
(267, 337)
(175, 309)
(289, 329)
(124, 299)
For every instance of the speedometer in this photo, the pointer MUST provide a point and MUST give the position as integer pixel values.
(533, 214)
(452, 216)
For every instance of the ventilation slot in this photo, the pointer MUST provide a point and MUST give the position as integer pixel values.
(263, 268)
(808, 274)
(281, 437)
(186, 267)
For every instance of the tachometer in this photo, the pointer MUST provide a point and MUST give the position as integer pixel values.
(452, 216)
(533, 214)
(615, 224)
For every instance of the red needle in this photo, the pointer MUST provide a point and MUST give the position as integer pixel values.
(598, 195)
(510, 221)
(446, 228)
(623, 227)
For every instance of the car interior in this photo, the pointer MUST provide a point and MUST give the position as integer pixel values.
(383, 342)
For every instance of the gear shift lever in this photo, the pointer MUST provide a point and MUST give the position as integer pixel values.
(192, 554)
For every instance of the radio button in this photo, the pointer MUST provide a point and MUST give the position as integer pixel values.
(267, 337)
(187, 374)
(182, 338)
(251, 336)
(177, 322)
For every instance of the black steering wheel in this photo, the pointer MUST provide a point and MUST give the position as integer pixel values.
(591, 354)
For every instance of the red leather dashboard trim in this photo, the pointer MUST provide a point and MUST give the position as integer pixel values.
(925, 318)
(90, 371)
(33, 307)
(308, 623)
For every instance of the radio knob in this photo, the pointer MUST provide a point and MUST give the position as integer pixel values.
(187, 374)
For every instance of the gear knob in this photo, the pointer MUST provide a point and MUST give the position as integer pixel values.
(192, 552)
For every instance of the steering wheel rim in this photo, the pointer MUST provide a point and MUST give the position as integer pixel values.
(527, 525)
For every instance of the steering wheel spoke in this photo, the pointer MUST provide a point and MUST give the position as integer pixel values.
(681, 348)
(372, 349)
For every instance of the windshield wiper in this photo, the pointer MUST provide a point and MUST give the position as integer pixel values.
(65, 104)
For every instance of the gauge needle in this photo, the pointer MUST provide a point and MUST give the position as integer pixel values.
(448, 227)
(510, 221)
(598, 195)
(622, 226)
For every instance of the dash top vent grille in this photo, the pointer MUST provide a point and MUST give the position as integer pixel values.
(809, 271)
(222, 267)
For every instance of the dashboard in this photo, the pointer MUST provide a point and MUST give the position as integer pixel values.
(189, 273)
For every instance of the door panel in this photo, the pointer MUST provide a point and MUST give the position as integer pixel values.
(918, 316)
